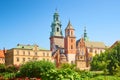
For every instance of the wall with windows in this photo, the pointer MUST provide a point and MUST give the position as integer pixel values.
(20, 56)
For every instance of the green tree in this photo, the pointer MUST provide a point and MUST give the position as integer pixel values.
(11, 69)
(99, 62)
(114, 59)
(61, 74)
(109, 61)
(2, 68)
(67, 65)
(35, 68)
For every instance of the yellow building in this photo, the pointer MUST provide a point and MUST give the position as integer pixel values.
(24, 53)
(2, 57)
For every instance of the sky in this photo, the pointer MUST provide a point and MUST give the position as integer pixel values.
(29, 21)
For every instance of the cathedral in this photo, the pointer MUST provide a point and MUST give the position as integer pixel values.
(66, 49)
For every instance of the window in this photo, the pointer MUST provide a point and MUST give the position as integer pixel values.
(91, 49)
(47, 54)
(57, 29)
(95, 51)
(36, 53)
(43, 54)
(23, 52)
(71, 40)
(28, 58)
(35, 58)
(17, 52)
(71, 33)
(23, 59)
(71, 46)
(17, 59)
(100, 51)
(28, 52)
(3, 59)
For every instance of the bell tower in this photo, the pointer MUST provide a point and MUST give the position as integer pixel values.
(70, 43)
(56, 36)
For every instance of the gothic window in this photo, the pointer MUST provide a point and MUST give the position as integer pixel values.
(57, 29)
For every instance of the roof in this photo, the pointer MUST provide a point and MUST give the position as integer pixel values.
(95, 44)
(22, 46)
(2, 54)
(115, 43)
(69, 26)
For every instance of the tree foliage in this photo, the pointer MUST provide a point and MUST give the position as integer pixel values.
(2, 68)
(35, 68)
(108, 61)
(61, 74)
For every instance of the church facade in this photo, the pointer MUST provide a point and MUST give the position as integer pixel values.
(66, 49)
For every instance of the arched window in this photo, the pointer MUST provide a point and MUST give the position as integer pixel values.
(57, 29)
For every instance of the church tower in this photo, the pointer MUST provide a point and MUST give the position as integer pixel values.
(56, 36)
(70, 43)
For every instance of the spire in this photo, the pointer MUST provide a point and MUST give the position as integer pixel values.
(69, 26)
(56, 15)
(56, 25)
(85, 34)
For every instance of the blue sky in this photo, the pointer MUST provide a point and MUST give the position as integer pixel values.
(29, 21)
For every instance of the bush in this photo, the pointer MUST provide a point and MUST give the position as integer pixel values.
(11, 69)
(61, 74)
(35, 68)
(2, 68)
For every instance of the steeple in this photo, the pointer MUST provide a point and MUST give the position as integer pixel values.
(70, 43)
(56, 26)
(85, 35)
(69, 26)
(69, 31)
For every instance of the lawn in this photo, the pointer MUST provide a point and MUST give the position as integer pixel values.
(101, 77)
